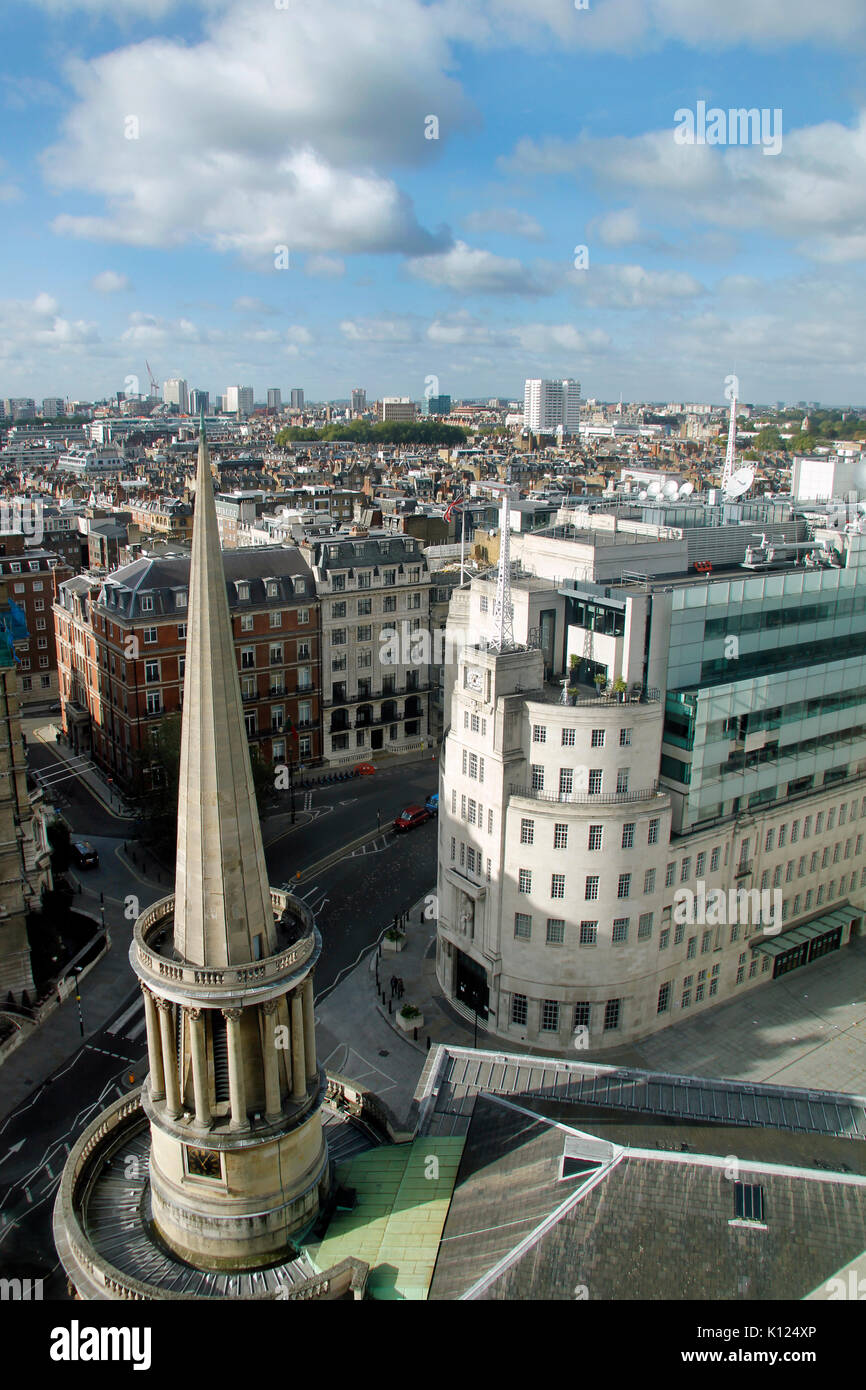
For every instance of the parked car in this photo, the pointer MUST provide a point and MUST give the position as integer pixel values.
(411, 816)
(365, 769)
(432, 804)
(84, 856)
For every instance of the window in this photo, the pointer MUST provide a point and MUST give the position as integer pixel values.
(539, 733)
(365, 606)
(518, 1009)
(151, 670)
(692, 948)
(566, 779)
(483, 603)
(664, 999)
(664, 939)
(549, 1016)
(685, 869)
(276, 618)
(623, 887)
(527, 832)
(248, 658)
(555, 931)
(524, 881)
(652, 835)
(364, 580)
(471, 813)
(597, 739)
(303, 617)
(591, 889)
(795, 831)
(685, 1001)
(594, 783)
(611, 1014)
(714, 859)
(628, 835)
(768, 842)
(147, 603)
(338, 637)
(149, 634)
(153, 702)
(706, 942)
(568, 738)
(522, 926)
(560, 836)
(701, 989)
(588, 933)
(620, 930)
(581, 1014)
(365, 660)
(670, 872)
(748, 1202)
(714, 979)
(365, 633)
(622, 780)
(625, 738)
(537, 777)
(700, 865)
(181, 632)
(595, 834)
(276, 655)
(645, 926)
(557, 885)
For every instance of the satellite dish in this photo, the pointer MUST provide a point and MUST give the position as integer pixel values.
(671, 489)
(687, 489)
(642, 496)
(739, 483)
(654, 489)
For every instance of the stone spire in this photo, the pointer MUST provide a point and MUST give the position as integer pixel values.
(222, 897)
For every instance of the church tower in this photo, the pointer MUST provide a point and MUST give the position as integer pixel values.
(238, 1159)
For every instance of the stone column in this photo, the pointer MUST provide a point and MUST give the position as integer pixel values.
(299, 1080)
(169, 1059)
(309, 1029)
(237, 1090)
(154, 1048)
(199, 1069)
(273, 1108)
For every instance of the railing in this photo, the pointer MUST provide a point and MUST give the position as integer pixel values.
(586, 798)
(184, 973)
(646, 695)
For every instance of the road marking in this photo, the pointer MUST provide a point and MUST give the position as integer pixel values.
(138, 1029)
(124, 1018)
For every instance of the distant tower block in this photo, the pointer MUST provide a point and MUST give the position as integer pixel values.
(238, 1159)
(731, 451)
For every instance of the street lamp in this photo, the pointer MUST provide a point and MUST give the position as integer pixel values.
(78, 970)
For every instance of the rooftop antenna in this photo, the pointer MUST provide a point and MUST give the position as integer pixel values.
(502, 633)
(731, 451)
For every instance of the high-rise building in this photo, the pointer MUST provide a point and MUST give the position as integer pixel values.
(359, 400)
(52, 407)
(656, 798)
(199, 401)
(397, 408)
(437, 405)
(19, 408)
(175, 391)
(275, 399)
(227, 1126)
(239, 400)
(297, 398)
(551, 407)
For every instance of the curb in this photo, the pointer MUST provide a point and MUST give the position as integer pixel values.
(336, 856)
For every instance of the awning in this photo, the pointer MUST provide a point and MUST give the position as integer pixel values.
(798, 936)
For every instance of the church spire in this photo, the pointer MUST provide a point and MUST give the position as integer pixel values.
(223, 913)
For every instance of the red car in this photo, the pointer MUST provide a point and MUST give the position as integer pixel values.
(365, 769)
(411, 816)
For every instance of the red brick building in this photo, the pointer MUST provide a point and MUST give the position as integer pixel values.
(32, 575)
(121, 643)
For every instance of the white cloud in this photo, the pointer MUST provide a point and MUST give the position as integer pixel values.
(325, 267)
(248, 304)
(618, 228)
(37, 324)
(468, 270)
(634, 287)
(147, 329)
(508, 221)
(109, 282)
(396, 330)
(284, 132)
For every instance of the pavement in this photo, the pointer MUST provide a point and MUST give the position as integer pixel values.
(83, 769)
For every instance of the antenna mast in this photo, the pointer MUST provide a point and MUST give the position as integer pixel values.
(502, 635)
(731, 451)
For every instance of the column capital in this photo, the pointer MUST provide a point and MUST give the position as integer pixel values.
(232, 1014)
(194, 1014)
(269, 1006)
(164, 1005)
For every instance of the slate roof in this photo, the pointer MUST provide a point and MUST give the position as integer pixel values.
(159, 576)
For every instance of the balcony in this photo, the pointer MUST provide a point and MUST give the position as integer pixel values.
(586, 798)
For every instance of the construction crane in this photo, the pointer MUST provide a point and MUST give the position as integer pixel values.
(154, 384)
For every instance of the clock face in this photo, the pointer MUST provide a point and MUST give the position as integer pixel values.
(203, 1163)
(474, 679)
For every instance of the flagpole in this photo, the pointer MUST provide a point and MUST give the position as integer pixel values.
(462, 543)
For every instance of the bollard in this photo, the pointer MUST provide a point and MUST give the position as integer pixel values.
(428, 1042)
(415, 1034)
(389, 1006)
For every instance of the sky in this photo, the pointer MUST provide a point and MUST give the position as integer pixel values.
(424, 198)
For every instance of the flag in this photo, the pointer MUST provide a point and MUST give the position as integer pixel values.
(449, 510)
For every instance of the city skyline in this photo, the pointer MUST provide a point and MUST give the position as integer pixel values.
(182, 185)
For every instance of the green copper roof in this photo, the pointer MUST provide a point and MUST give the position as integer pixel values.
(404, 1192)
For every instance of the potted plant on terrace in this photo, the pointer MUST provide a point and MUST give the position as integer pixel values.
(619, 688)
(393, 941)
(409, 1017)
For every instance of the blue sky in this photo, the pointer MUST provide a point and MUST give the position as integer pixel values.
(256, 124)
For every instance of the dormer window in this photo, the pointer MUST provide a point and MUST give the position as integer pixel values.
(147, 603)
(243, 591)
(180, 598)
(273, 589)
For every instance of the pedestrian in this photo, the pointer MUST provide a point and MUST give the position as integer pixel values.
(393, 985)
(399, 988)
